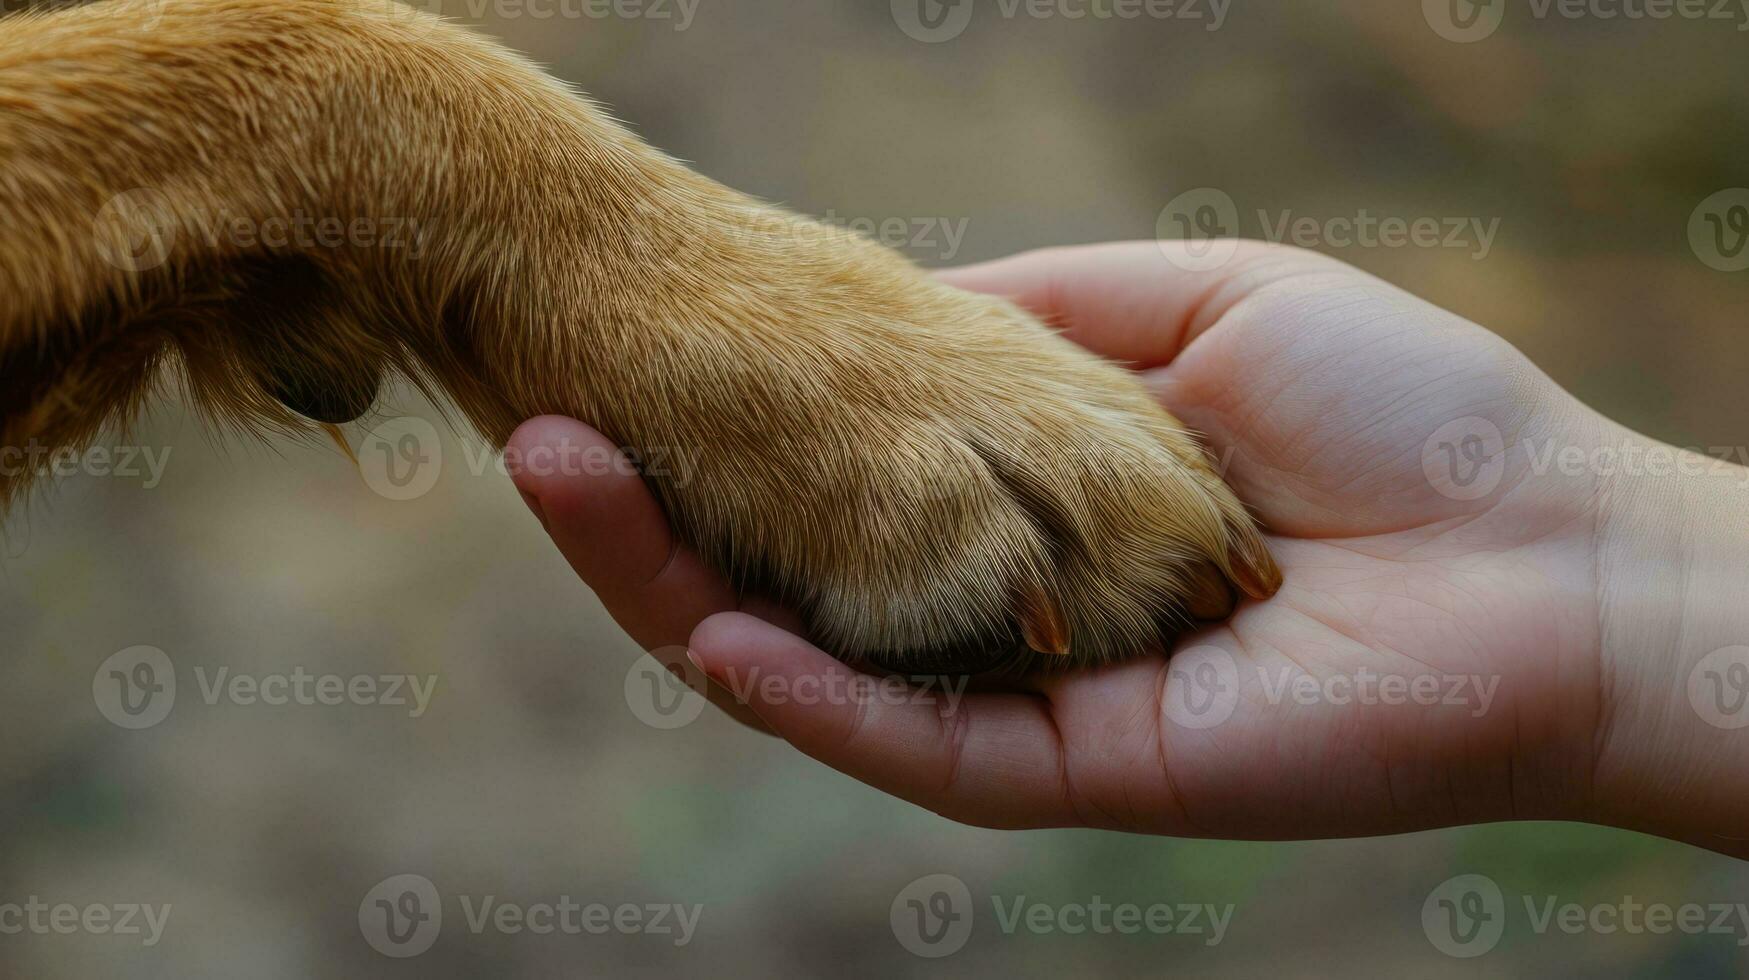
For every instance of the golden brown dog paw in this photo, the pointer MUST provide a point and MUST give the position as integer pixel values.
(938, 481)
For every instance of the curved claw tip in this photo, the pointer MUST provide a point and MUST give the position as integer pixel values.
(1041, 622)
(1254, 570)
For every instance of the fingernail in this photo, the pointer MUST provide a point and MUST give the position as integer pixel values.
(534, 507)
(696, 662)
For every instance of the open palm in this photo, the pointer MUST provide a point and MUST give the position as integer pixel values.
(1431, 658)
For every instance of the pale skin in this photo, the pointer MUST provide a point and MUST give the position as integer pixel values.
(1540, 637)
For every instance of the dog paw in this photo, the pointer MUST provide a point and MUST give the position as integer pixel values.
(937, 481)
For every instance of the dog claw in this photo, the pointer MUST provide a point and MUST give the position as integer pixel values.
(338, 438)
(1042, 623)
(1253, 569)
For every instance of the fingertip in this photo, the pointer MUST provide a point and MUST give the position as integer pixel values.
(529, 437)
(575, 475)
(735, 639)
(533, 431)
(592, 501)
(543, 437)
(731, 635)
(543, 430)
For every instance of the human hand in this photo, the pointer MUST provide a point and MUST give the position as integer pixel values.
(1442, 651)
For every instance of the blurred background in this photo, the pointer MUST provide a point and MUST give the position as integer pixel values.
(1590, 144)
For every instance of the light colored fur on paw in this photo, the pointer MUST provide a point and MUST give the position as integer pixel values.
(930, 476)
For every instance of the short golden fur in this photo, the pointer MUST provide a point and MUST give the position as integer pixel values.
(923, 472)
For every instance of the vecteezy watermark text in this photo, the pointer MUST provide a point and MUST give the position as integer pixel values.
(666, 689)
(1636, 459)
(934, 236)
(567, 916)
(679, 13)
(1200, 230)
(402, 916)
(144, 463)
(36, 917)
(924, 236)
(136, 688)
(1468, 21)
(933, 917)
(1466, 459)
(1368, 688)
(1364, 229)
(1204, 685)
(1465, 916)
(137, 230)
(402, 458)
(935, 21)
(302, 688)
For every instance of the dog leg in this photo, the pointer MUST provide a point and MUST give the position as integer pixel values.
(928, 475)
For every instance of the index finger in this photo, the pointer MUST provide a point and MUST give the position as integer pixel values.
(617, 539)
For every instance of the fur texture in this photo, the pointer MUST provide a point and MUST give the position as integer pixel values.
(931, 477)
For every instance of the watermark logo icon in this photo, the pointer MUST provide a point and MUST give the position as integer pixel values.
(1718, 230)
(660, 698)
(932, 21)
(1464, 21)
(1718, 688)
(1464, 459)
(1464, 916)
(135, 688)
(402, 458)
(932, 916)
(402, 916)
(1202, 687)
(1198, 230)
(135, 230)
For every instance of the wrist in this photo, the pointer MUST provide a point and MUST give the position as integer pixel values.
(1671, 752)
